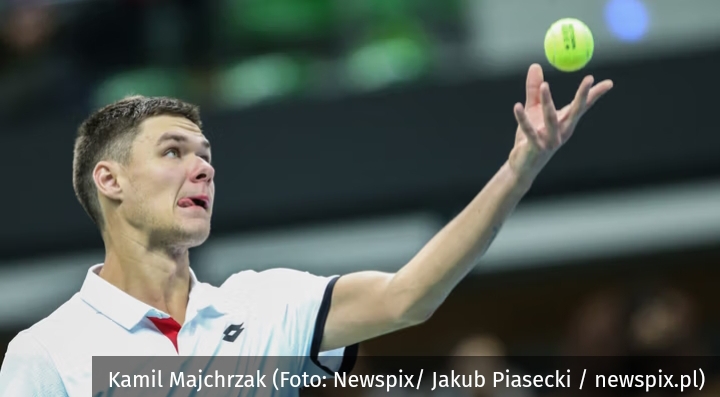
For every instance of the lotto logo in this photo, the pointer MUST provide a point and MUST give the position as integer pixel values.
(232, 332)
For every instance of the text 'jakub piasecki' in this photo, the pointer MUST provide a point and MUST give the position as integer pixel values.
(558, 379)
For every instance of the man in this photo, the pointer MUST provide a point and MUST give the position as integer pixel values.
(142, 171)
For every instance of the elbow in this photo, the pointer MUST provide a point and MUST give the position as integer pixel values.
(414, 316)
(409, 306)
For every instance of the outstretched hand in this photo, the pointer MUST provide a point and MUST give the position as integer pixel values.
(542, 129)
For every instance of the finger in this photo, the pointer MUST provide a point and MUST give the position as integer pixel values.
(549, 112)
(579, 104)
(597, 92)
(525, 125)
(532, 85)
(594, 93)
(564, 113)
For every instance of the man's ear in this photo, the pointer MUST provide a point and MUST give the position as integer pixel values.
(106, 175)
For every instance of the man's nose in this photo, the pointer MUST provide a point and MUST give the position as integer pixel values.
(204, 172)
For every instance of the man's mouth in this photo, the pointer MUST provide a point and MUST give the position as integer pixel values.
(194, 201)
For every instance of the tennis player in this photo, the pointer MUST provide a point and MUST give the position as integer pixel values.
(143, 172)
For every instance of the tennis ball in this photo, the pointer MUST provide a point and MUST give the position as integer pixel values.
(569, 45)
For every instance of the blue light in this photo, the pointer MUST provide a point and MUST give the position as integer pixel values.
(627, 19)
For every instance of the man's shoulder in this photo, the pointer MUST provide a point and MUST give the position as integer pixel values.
(43, 344)
(274, 288)
(281, 279)
(60, 327)
(29, 368)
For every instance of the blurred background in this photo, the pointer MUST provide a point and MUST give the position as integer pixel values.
(347, 132)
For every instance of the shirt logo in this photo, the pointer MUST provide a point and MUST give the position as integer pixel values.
(232, 332)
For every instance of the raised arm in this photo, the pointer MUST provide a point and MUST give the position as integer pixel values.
(369, 304)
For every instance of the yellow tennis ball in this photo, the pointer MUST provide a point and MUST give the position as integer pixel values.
(569, 45)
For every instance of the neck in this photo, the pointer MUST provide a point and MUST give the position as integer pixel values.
(157, 276)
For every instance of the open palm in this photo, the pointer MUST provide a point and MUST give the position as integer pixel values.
(542, 129)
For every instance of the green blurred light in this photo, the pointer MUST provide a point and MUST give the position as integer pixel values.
(385, 62)
(279, 17)
(398, 50)
(379, 10)
(259, 79)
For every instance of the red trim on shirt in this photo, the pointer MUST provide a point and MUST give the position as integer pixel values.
(169, 327)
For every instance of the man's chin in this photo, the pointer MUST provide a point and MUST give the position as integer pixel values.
(195, 240)
(191, 235)
(198, 237)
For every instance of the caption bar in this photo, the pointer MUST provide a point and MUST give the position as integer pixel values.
(695, 380)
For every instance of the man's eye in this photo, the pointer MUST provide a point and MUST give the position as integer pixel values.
(172, 153)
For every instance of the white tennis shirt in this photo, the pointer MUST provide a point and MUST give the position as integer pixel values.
(278, 312)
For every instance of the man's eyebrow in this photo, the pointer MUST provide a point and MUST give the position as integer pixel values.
(173, 136)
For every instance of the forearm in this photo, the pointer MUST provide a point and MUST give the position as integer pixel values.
(421, 286)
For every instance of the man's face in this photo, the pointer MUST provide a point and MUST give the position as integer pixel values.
(168, 184)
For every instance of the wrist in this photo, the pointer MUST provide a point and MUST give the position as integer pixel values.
(521, 180)
(526, 163)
